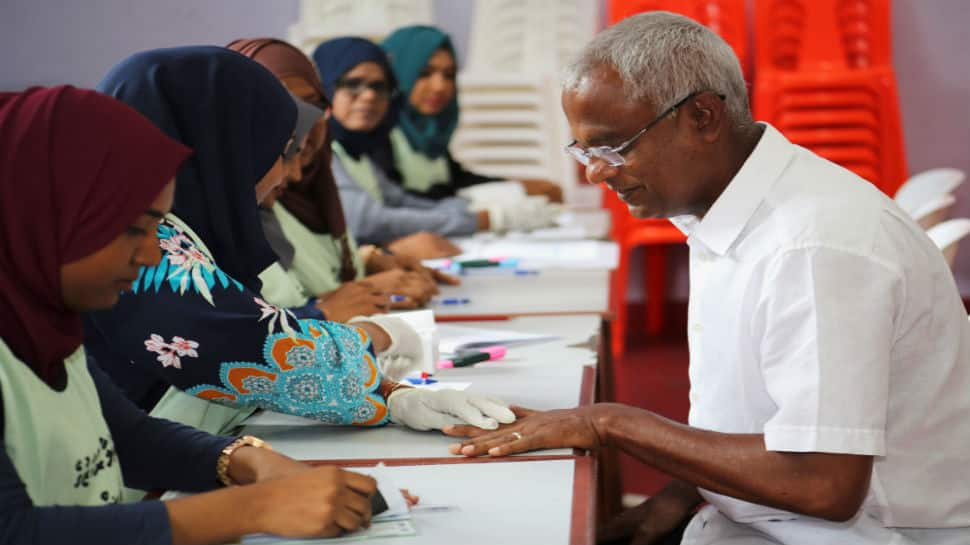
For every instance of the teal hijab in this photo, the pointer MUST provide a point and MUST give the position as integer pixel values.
(409, 49)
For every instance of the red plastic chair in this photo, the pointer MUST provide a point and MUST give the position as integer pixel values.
(654, 235)
(727, 18)
(846, 119)
(825, 80)
(821, 34)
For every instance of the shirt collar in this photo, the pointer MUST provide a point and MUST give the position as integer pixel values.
(726, 218)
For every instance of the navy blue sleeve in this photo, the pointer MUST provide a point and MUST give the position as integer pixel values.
(22, 522)
(157, 453)
(308, 311)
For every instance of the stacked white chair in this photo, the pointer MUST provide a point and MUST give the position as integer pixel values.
(321, 20)
(947, 235)
(529, 36)
(511, 123)
(928, 196)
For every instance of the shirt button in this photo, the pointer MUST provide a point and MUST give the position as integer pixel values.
(697, 328)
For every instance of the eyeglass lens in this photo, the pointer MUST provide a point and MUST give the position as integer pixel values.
(357, 86)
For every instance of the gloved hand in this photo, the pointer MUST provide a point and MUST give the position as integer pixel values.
(481, 196)
(406, 351)
(527, 214)
(423, 410)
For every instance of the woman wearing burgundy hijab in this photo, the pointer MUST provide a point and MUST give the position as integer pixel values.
(74, 234)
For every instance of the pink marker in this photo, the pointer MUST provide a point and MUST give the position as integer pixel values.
(465, 359)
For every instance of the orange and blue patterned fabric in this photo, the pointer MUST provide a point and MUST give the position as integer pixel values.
(186, 323)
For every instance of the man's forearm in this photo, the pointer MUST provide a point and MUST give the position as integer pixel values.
(830, 486)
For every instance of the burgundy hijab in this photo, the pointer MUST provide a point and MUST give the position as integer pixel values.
(76, 168)
(315, 200)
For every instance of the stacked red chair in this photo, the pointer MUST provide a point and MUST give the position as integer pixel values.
(728, 19)
(825, 80)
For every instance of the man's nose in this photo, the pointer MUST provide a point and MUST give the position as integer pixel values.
(599, 171)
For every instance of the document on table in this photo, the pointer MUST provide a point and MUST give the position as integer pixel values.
(377, 529)
(394, 522)
(552, 254)
(454, 338)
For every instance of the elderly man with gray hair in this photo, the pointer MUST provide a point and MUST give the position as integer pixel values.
(829, 347)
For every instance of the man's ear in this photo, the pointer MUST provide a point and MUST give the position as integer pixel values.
(707, 111)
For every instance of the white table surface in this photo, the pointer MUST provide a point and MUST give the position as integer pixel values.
(511, 503)
(527, 503)
(552, 291)
(546, 375)
(566, 276)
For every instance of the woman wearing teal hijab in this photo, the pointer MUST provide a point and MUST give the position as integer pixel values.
(424, 64)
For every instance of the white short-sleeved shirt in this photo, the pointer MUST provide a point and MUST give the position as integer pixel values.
(823, 317)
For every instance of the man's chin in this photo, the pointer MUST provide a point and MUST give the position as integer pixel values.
(639, 211)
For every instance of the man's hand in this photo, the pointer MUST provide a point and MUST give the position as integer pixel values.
(532, 430)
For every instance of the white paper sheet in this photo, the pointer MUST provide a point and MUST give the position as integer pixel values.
(453, 338)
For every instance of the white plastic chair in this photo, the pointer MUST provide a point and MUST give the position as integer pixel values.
(321, 20)
(511, 126)
(947, 235)
(529, 36)
(928, 196)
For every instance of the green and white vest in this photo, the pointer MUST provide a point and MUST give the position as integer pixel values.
(361, 170)
(419, 172)
(58, 442)
(316, 261)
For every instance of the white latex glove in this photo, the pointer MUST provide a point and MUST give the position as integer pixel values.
(481, 196)
(527, 214)
(423, 410)
(406, 351)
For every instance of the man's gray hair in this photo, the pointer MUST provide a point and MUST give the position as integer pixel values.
(663, 57)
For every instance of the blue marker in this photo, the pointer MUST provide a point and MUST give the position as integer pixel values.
(419, 381)
(526, 272)
(453, 301)
(399, 298)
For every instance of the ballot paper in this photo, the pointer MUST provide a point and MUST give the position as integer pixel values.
(395, 522)
(377, 529)
(455, 338)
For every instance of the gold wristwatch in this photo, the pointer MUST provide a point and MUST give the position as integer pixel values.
(222, 465)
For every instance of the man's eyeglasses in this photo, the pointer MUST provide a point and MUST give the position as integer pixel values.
(357, 86)
(613, 156)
